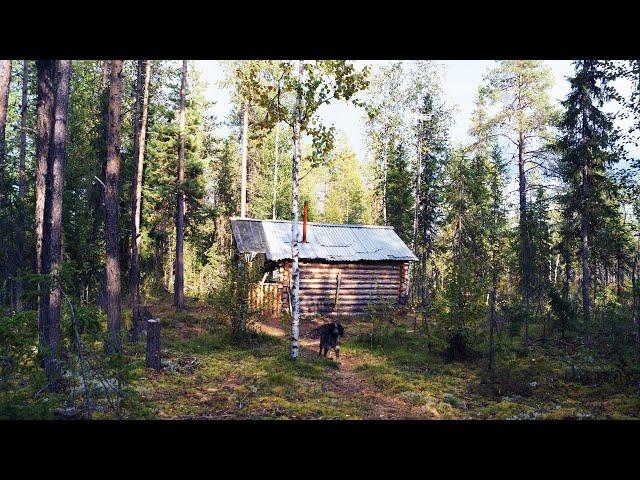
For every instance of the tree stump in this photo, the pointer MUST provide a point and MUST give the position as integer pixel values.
(153, 344)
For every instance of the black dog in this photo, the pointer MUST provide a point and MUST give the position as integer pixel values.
(330, 334)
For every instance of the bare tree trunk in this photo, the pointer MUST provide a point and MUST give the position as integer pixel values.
(494, 277)
(97, 187)
(635, 292)
(46, 73)
(153, 344)
(5, 80)
(295, 250)
(142, 100)
(492, 314)
(245, 145)
(52, 240)
(584, 253)
(22, 183)
(525, 247)
(416, 204)
(179, 265)
(111, 221)
(384, 181)
(275, 175)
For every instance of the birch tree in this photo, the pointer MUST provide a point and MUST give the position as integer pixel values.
(294, 98)
(245, 148)
(111, 223)
(386, 108)
(275, 174)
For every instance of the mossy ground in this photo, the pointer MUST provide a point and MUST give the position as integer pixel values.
(392, 374)
(393, 377)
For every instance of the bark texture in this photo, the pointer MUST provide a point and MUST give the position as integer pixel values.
(45, 100)
(5, 80)
(22, 182)
(52, 240)
(111, 224)
(179, 265)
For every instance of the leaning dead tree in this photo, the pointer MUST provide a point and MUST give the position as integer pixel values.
(139, 137)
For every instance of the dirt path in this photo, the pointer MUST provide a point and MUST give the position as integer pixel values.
(348, 385)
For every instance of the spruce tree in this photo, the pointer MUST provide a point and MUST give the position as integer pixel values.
(587, 148)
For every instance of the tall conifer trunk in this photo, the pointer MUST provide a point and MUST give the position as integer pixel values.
(584, 255)
(5, 80)
(525, 238)
(179, 263)
(52, 240)
(22, 182)
(111, 224)
(44, 124)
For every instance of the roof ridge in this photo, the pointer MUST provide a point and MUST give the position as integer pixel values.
(347, 225)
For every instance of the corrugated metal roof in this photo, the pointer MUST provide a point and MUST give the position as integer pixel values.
(334, 243)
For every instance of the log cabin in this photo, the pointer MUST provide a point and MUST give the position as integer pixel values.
(344, 269)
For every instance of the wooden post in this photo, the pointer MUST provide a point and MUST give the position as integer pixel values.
(153, 344)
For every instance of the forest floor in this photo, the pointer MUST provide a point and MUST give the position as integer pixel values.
(209, 374)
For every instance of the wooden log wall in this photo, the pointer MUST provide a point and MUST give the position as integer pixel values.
(362, 286)
(264, 297)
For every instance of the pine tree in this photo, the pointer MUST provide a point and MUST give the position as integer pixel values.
(52, 235)
(519, 88)
(111, 222)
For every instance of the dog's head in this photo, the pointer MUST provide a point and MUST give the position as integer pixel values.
(338, 331)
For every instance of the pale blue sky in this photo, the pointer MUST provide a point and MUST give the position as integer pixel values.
(461, 81)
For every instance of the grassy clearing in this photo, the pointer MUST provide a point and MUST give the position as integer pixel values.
(391, 374)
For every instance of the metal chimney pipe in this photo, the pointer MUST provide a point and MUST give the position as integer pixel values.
(304, 222)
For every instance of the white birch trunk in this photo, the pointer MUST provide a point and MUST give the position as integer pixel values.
(295, 251)
(384, 182)
(414, 240)
(275, 174)
(245, 145)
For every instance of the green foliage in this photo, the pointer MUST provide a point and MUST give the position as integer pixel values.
(18, 337)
